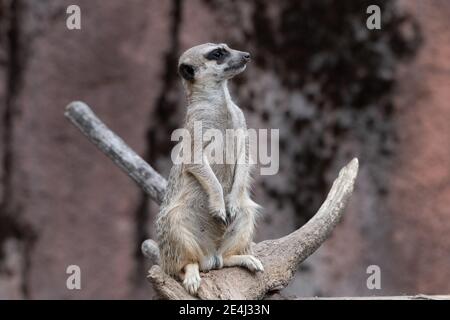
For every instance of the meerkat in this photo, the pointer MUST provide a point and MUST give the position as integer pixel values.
(207, 218)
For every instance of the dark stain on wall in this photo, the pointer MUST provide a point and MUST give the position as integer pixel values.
(326, 45)
(11, 224)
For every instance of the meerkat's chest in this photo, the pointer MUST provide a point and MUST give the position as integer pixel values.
(235, 117)
(233, 129)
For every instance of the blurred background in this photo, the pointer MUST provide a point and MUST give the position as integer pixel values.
(334, 89)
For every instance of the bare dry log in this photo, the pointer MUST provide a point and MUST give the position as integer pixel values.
(114, 147)
(280, 257)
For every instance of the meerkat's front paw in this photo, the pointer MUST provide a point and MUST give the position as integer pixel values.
(191, 283)
(220, 215)
(232, 209)
(218, 212)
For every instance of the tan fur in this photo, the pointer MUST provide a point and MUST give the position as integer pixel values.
(191, 226)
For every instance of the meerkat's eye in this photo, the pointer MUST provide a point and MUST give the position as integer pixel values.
(217, 54)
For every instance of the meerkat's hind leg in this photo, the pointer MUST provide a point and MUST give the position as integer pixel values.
(247, 261)
(191, 278)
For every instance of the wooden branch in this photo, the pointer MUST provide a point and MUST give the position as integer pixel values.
(280, 257)
(114, 147)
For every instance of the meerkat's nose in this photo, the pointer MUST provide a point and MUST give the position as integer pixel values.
(246, 56)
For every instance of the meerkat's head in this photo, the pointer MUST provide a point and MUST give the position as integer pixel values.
(211, 62)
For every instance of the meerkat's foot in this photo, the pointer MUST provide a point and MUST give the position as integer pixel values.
(192, 278)
(247, 261)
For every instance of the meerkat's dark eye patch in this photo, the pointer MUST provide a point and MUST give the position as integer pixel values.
(218, 54)
(187, 72)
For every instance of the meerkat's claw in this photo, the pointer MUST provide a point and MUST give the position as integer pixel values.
(232, 211)
(191, 283)
(232, 208)
(253, 264)
(221, 216)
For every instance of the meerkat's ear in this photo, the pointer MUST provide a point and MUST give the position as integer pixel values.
(186, 71)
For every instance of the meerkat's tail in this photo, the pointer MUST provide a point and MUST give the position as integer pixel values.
(150, 249)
